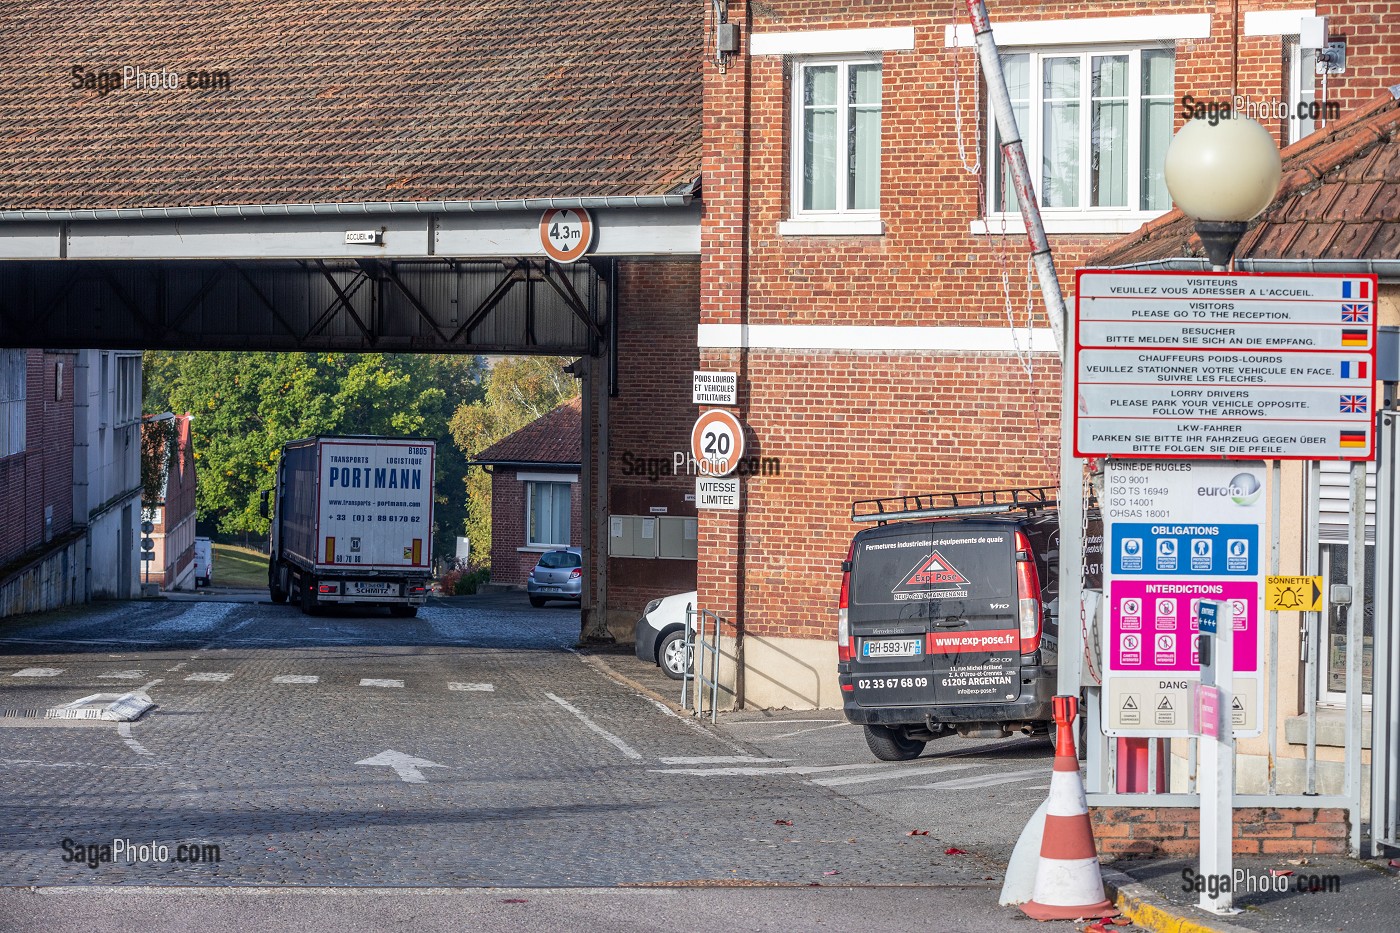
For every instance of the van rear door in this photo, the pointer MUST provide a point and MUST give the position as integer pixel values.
(933, 614)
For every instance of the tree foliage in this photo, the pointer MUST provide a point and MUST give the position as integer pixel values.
(517, 391)
(247, 405)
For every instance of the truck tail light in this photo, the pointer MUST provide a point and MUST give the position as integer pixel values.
(417, 590)
(843, 617)
(1028, 592)
(575, 573)
(328, 589)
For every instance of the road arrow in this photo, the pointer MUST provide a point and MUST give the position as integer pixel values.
(405, 765)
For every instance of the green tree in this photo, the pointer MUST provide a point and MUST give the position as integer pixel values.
(517, 391)
(247, 405)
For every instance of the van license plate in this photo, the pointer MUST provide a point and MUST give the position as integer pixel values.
(892, 648)
(371, 589)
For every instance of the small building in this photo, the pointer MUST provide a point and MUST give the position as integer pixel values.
(172, 516)
(107, 468)
(535, 496)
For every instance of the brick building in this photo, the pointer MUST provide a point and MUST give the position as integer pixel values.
(535, 498)
(171, 566)
(864, 269)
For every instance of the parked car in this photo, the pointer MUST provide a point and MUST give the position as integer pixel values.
(558, 575)
(660, 633)
(948, 619)
(203, 562)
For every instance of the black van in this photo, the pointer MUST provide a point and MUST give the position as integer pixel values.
(949, 617)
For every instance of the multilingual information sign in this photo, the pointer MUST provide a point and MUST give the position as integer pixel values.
(1178, 365)
(1178, 533)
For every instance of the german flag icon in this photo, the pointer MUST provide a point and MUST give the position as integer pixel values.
(1352, 439)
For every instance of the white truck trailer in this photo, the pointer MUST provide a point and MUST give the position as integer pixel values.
(352, 523)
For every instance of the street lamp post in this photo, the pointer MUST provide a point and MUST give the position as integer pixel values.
(1223, 175)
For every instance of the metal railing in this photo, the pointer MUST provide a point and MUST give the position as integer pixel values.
(698, 648)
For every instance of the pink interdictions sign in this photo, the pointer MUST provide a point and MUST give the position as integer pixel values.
(1152, 625)
(1208, 711)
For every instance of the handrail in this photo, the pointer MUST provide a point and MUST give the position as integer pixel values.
(695, 620)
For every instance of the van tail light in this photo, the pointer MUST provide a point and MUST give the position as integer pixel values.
(575, 573)
(1028, 592)
(843, 618)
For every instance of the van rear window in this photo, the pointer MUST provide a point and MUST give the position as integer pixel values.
(971, 564)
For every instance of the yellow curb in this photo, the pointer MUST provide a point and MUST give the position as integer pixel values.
(1137, 904)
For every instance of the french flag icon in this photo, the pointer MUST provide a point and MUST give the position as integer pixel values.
(1356, 288)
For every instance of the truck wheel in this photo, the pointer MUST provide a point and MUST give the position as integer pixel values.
(275, 590)
(403, 612)
(891, 744)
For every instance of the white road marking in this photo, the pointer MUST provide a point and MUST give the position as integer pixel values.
(721, 760)
(122, 675)
(473, 688)
(695, 726)
(210, 677)
(405, 766)
(727, 772)
(38, 672)
(982, 780)
(904, 772)
(622, 746)
(24, 762)
(144, 687)
(788, 735)
(124, 730)
(378, 682)
(176, 667)
(781, 722)
(296, 679)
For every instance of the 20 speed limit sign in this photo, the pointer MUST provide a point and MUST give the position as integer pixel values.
(717, 442)
(566, 233)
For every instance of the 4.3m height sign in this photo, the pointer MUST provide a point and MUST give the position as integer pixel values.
(1183, 365)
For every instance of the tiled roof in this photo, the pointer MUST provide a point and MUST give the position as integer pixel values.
(554, 437)
(391, 100)
(1339, 199)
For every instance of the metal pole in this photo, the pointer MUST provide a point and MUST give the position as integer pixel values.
(1311, 625)
(1271, 720)
(1382, 669)
(1356, 576)
(1217, 778)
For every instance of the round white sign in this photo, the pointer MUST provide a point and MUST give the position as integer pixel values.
(566, 233)
(717, 442)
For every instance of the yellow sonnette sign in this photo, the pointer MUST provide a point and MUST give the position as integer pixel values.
(1293, 594)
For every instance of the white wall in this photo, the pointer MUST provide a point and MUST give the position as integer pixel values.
(107, 468)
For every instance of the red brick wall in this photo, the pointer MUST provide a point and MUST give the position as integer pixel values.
(42, 475)
(1156, 832)
(510, 565)
(658, 310)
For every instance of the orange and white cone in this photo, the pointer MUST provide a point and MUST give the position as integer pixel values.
(1068, 884)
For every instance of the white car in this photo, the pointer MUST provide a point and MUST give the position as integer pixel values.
(660, 634)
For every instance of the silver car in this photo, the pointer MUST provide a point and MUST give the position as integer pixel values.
(558, 575)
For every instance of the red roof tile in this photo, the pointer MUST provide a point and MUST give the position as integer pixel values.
(395, 100)
(555, 437)
(1339, 199)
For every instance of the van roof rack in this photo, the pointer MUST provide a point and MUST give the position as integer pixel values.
(948, 504)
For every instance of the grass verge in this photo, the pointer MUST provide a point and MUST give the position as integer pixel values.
(239, 566)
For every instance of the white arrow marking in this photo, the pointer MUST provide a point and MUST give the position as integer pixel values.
(405, 765)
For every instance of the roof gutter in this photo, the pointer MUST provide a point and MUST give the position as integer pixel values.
(1387, 269)
(354, 209)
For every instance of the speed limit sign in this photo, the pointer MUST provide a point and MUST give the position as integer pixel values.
(566, 233)
(717, 442)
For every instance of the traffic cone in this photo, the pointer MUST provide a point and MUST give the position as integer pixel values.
(1068, 884)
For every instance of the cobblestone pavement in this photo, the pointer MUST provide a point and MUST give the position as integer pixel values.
(532, 768)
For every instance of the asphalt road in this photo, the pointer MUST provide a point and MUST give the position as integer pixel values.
(455, 758)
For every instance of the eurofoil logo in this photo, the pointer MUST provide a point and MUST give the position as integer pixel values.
(1243, 489)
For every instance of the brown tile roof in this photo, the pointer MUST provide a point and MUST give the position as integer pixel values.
(1339, 199)
(391, 100)
(555, 437)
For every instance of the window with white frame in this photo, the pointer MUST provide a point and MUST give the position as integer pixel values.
(1095, 124)
(836, 139)
(548, 509)
(14, 380)
(1302, 89)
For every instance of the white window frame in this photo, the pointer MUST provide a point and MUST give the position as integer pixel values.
(14, 390)
(1081, 219)
(530, 485)
(1302, 88)
(128, 390)
(841, 221)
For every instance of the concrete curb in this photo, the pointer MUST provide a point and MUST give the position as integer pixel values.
(1146, 908)
(607, 670)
